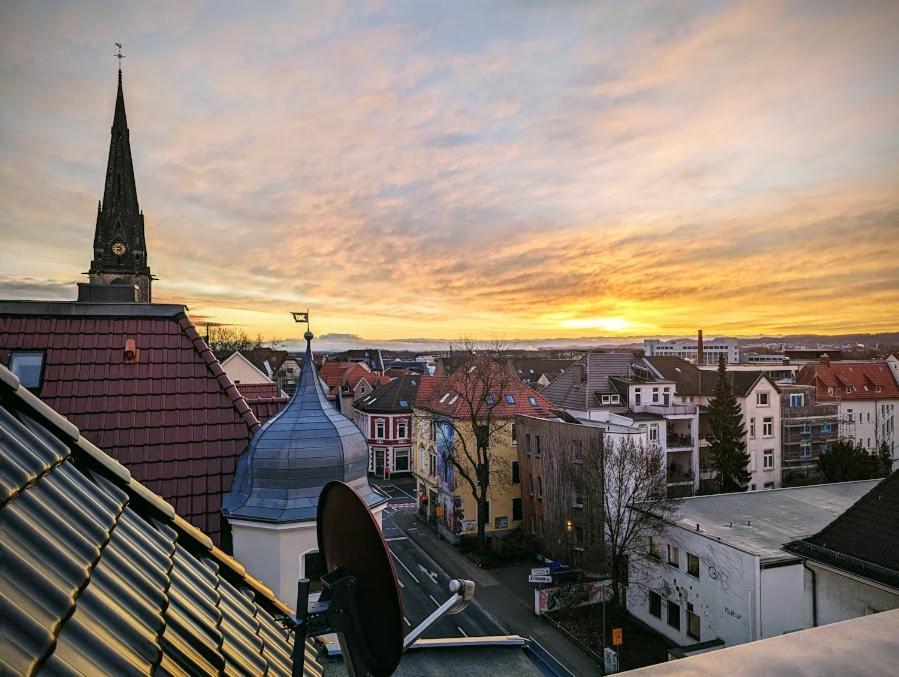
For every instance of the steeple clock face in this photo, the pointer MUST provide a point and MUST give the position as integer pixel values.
(119, 248)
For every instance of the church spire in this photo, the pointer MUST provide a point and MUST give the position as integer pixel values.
(120, 251)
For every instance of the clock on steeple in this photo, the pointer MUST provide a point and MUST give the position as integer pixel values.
(120, 250)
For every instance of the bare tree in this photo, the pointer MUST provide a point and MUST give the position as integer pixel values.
(224, 341)
(635, 507)
(470, 414)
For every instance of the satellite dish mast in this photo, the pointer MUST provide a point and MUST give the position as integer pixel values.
(360, 598)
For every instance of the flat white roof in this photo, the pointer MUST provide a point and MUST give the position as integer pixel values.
(763, 521)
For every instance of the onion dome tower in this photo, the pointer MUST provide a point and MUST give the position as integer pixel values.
(274, 497)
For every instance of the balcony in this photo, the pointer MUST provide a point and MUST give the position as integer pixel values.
(676, 442)
(666, 410)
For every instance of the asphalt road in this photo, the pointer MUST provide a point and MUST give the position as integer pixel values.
(423, 584)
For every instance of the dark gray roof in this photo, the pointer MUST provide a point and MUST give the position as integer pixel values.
(101, 576)
(395, 397)
(864, 540)
(577, 386)
(691, 380)
(291, 458)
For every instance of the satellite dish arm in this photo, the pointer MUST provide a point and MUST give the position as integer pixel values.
(462, 593)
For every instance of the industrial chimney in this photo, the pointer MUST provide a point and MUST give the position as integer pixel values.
(700, 351)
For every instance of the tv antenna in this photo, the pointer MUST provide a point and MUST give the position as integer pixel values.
(360, 599)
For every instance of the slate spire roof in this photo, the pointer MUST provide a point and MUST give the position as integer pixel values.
(290, 459)
(119, 218)
(102, 576)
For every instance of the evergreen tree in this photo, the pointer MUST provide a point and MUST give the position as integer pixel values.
(726, 438)
(844, 461)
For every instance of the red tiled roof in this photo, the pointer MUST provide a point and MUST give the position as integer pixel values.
(256, 391)
(335, 374)
(862, 378)
(266, 408)
(173, 417)
(453, 396)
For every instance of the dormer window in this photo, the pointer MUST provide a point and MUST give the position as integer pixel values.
(533, 401)
(510, 399)
(490, 400)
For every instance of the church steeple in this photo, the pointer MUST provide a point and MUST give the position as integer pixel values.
(120, 250)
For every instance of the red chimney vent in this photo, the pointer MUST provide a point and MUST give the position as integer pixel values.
(132, 352)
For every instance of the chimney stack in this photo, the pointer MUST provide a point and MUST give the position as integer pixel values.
(825, 359)
(700, 352)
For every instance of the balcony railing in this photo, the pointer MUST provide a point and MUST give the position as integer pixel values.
(666, 409)
(675, 441)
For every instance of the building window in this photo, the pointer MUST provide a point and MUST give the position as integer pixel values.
(28, 366)
(769, 485)
(537, 442)
(796, 399)
(655, 604)
(516, 508)
(655, 395)
(849, 415)
(379, 429)
(533, 401)
(534, 525)
(530, 484)
(805, 450)
(515, 473)
(752, 427)
(616, 399)
(605, 399)
(578, 534)
(654, 432)
(510, 399)
(673, 555)
(692, 623)
(577, 498)
(539, 487)
(402, 430)
(489, 400)
(768, 459)
(638, 396)
(655, 547)
(761, 399)
(540, 526)
(401, 460)
(432, 463)
(514, 434)
(577, 451)
(692, 564)
(674, 615)
(527, 442)
(767, 427)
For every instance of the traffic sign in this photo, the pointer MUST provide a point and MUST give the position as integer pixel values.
(540, 571)
(617, 637)
(540, 579)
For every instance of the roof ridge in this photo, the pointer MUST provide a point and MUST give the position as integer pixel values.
(121, 477)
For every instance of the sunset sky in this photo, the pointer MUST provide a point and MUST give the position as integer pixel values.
(437, 170)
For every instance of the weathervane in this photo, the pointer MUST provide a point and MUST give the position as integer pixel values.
(118, 55)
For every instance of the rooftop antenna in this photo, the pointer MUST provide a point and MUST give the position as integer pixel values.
(360, 599)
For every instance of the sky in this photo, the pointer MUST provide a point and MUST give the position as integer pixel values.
(503, 170)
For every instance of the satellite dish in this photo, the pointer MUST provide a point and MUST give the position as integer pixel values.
(360, 599)
(351, 543)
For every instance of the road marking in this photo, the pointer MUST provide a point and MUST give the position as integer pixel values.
(414, 577)
(410, 625)
(405, 493)
(434, 600)
(459, 628)
(429, 574)
(397, 538)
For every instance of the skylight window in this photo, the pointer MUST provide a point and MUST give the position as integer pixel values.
(510, 399)
(453, 401)
(533, 401)
(490, 400)
(404, 403)
(443, 399)
(28, 366)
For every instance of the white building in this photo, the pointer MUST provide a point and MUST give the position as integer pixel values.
(867, 394)
(719, 571)
(688, 349)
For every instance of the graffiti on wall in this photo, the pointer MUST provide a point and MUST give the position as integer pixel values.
(571, 595)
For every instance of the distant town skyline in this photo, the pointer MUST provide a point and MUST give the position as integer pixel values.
(511, 171)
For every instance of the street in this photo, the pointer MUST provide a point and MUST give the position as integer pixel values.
(424, 585)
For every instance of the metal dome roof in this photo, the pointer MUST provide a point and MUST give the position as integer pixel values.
(290, 459)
